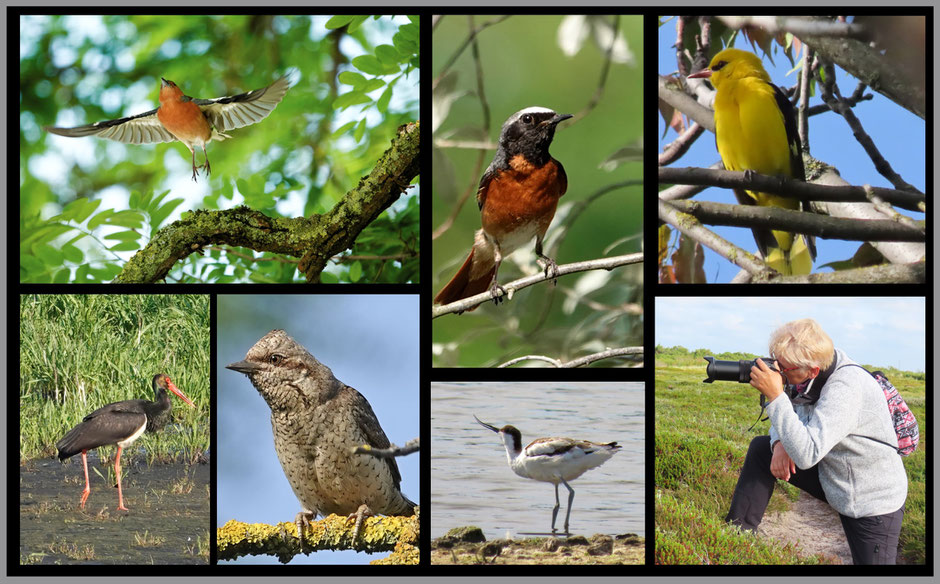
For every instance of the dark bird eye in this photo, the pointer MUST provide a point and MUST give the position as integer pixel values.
(719, 65)
(527, 119)
(276, 359)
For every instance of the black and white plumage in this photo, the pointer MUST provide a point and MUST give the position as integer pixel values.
(119, 423)
(552, 460)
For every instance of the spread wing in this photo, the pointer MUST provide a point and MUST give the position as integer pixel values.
(143, 128)
(236, 111)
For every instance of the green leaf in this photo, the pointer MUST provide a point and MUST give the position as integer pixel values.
(100, 218)
(48, 254)
(87, 209)
(372, 85)
(352, 78)
(349, 99)
(404, 46)
(62, 276)
(388, 55)
(126, 246)
(328, 278)
(355, 271)
(124, 236)
(72, 254)
(159, 216)
(356, 23)
(371, 65)
(360, 130)
(343, 129)
(339, 21)
(382, 103)
(128, 218)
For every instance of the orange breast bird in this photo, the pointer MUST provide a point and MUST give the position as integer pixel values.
(194, 122)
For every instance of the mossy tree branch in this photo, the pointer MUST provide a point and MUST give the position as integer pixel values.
(378, 534)
(315, 239)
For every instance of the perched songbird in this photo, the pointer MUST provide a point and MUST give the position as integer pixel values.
(317, 422)
(552, 460)
(119, 423)
(194, 122)
(755, 128)
(517, 197)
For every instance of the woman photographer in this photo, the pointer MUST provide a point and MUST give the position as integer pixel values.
(832, 439)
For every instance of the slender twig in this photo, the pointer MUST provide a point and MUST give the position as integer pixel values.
(693, 228)
(602, 82)
(678, 147)
(804, 98)
(754, 216)
(463, 46)
(629, 352)
(392, 451)
(830, 94)
(511, 288)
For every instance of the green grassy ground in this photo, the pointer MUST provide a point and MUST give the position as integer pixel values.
(80, 352)
(701, 440)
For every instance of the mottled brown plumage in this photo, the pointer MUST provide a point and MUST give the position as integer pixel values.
(317, 421)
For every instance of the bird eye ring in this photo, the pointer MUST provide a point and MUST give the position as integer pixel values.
(527, 119)
(276, 359)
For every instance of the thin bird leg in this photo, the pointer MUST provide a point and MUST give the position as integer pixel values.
(550, 265)
(87, 485)
(117, 471)
(206, 165)
(570, 500)
(495, 288)
(302, 520)
(193, 150)
(555, 510)
(360, 515)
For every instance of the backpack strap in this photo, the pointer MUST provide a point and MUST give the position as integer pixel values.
(894, 447)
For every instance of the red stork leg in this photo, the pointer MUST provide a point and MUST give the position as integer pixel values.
(117, 471)
(87, 485)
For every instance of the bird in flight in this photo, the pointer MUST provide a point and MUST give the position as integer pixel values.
(194, 122)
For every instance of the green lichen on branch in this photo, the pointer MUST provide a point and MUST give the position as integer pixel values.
(315, 239)
(378, 534)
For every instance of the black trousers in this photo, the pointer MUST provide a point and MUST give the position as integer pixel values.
(873, 540)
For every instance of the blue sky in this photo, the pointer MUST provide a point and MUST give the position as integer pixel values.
(898, 134)
(881, 332)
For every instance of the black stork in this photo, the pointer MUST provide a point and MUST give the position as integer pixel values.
(119, 423)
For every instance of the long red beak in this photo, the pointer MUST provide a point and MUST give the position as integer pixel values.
(703, 74)
(178, 393)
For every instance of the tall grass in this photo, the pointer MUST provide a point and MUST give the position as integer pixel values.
(701, 440)
(80, 352)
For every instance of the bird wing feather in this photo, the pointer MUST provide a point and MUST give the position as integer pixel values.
(143, 128)
(236, 111)
(375, 436)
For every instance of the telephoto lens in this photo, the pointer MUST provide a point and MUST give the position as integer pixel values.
(739, 371)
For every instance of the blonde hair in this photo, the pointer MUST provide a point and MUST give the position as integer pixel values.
(802, 343)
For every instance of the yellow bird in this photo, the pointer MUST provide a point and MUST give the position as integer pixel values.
(755, 129)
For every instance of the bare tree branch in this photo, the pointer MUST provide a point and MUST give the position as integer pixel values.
(512, 287)
(799, 26)
(800, 222)
(629, 352)
(787, 187)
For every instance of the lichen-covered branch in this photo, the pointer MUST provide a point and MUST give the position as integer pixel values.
(315, 239)
(378, 534)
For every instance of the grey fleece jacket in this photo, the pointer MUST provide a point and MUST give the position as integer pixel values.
(843, 433)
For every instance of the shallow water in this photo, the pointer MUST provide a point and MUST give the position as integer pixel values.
(472, 484)
(53, 530)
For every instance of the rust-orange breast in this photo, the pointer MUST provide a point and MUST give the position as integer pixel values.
(520, 202)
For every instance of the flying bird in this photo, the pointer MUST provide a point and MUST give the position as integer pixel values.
(119, 423)
(194, 122)
(755, 129)
(552, 460)
(518, 195)
(318, 421)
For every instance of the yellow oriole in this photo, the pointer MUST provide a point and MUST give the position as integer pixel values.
(755, 129)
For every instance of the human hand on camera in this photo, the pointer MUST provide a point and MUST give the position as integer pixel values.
(766, 380)
(781, 465)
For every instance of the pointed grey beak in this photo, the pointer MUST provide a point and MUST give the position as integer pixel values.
(245, 367)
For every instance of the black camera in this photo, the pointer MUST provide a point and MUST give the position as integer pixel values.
(739, 371)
